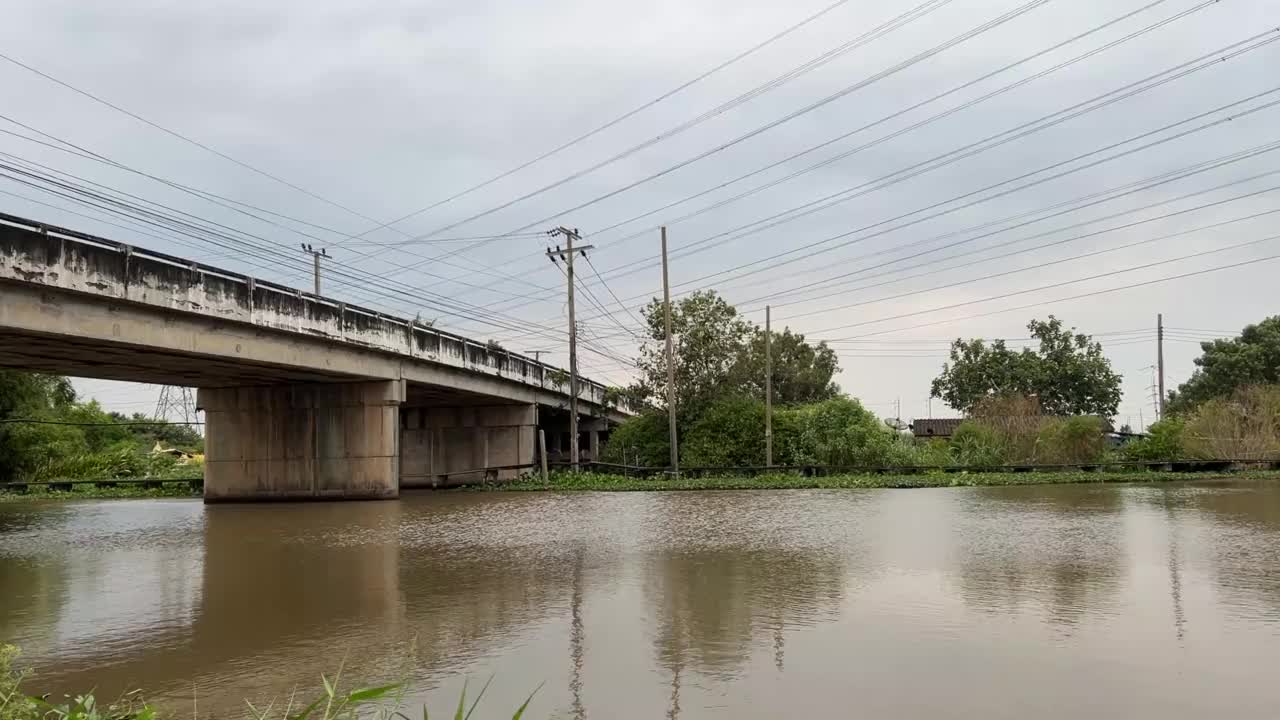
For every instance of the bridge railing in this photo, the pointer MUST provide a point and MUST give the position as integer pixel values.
(115, 269)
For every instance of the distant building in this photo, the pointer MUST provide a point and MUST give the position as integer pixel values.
(935, 427)
(926, 428)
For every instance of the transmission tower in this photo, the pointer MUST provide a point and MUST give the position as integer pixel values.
(176, 404)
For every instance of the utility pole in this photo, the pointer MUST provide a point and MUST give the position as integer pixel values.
(567, 256)
(671, 365)
(768, 389)
(316, 255)
(1160, 360)
(537, 354)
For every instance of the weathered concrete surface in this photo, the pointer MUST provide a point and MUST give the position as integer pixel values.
(87, 306)
(316, 441)
(439, 443)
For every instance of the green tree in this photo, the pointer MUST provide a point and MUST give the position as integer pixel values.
(1067, 374)
(802, 373)
(29, 395)
(708, 336)
(1228, 365)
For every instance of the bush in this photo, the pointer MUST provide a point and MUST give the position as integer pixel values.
(1070, 441)
(729, 433)
(640, 440)
(1164, 442)
(1244, 426)
(843, 433)
(975, 444)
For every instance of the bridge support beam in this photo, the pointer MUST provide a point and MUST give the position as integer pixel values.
(444, 446)
(302, 442)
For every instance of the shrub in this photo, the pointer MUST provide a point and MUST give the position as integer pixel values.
(1070, 441)
(729, 433)
(976, 444)
(640, 440)
(1164, 441)
(842, 432)
(1244, 426)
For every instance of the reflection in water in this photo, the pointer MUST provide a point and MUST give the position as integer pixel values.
(913, 604)
(1057, 549)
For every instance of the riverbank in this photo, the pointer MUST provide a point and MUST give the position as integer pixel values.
(180, 488)
(563, 481)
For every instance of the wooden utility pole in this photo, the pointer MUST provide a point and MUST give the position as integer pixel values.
(316, 255)
(567, 256)
(671, 364)
(768, 388)
(1160, 362)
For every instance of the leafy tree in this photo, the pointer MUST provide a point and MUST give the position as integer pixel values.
(708, 336)
(802, 373)
(1067, 374)
(1227, 365)
(29, 395)
(640, 440)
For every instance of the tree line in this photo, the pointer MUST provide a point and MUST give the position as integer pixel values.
(75, 439)
(1050, 402)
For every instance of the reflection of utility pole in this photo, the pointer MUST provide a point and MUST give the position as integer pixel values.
(576, 652)
(567, 256)
(316, 255)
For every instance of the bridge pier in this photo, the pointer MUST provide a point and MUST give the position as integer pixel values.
(302, 442)
(440, 444)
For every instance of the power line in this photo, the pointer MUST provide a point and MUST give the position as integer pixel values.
(1095, 163)
(1095, 293)
(621, 118)
(723, 146)
(917, 125)
(1182, 70)
(180, 136)
(1044, 264)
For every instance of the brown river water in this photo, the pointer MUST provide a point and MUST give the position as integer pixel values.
(1031, 602)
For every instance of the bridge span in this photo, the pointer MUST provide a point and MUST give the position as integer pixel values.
(305, 397)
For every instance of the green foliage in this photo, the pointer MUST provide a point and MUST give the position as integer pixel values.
(794, 481)
(1071, 441)
(802, 373)
(843, 433)
(1162, 443)
(640, 440)
(1244, 426)
(384, 702)
(718, 353)
(729, 433)
(974, 444)
(708, 336)
(1068, 374)
(1225, 366)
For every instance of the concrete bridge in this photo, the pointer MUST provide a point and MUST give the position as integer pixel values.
(304, 396)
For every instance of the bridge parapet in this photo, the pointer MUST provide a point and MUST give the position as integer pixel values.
(32, 252)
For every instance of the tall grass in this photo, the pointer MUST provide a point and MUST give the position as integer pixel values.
(384, 702)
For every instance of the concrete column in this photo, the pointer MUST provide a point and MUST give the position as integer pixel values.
(593, 445)
(302, 442)
(445, 446)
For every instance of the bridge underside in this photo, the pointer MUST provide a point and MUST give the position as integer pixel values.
(289, 418)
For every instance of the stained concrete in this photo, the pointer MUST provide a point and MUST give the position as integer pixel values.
(300, 442)
(439, 444)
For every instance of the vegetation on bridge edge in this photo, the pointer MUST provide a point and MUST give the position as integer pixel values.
(566, 481)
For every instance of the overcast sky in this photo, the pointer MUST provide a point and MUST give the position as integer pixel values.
(382, 109)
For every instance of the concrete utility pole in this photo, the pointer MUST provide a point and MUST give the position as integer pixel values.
(567, 256)
(768, 388)
(316, 255)
(671, 365)
(1160, 361)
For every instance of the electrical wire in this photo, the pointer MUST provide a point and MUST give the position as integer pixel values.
(1027, 7)
(612, 123)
